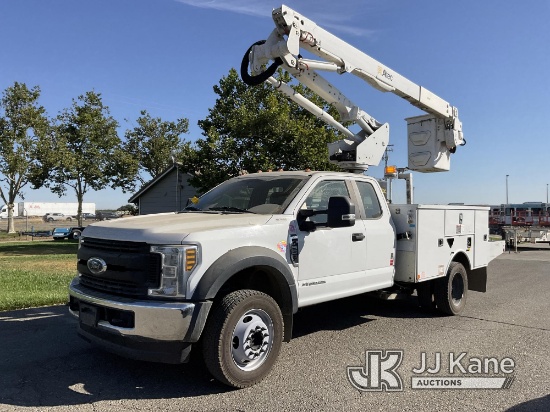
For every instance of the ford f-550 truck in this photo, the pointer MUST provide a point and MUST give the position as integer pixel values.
(233, 267)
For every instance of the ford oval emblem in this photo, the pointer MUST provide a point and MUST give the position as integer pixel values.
(97, 265)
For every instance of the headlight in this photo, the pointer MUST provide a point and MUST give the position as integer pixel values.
(177, 263)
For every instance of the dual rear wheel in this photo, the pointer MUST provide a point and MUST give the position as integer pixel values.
(447, 294)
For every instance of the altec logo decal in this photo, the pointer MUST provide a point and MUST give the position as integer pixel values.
(380, 372)
(384, 73)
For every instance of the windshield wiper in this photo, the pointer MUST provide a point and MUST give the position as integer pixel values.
(229, 209)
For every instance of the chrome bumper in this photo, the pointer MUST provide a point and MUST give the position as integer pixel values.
(158, 327)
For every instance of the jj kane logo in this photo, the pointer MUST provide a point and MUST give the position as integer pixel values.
(380, 372)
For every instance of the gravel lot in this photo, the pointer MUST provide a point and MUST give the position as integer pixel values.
(45, 366)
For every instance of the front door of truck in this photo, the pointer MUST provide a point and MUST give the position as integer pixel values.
(331, 260)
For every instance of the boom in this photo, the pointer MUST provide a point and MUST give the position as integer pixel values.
(431, 137)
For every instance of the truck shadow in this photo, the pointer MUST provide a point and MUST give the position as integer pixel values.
(45, 363)
(354, 311)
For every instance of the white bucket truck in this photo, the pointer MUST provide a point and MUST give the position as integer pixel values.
(233, 268)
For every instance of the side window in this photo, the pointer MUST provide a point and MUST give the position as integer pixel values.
(370, 200)
(318, 198)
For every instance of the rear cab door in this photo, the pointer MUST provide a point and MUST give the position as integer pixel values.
(372, 209)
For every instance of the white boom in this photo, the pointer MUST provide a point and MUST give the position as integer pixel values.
(432, 138)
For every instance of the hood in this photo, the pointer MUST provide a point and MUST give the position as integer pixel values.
(166, 228)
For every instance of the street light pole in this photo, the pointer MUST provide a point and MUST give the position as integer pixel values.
(507, 189)
(546, 192)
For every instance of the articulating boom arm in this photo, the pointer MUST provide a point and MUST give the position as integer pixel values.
(441, 130)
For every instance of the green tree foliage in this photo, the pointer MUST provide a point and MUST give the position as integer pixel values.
(257, 128)
(157, 143)
(128, 209)
(91, 154)
(23, 131)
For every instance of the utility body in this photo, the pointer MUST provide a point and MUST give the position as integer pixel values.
(232, 269)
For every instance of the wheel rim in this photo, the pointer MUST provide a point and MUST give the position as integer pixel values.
(252, 339)
(457, 291)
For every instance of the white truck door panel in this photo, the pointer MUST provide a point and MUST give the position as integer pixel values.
(380, 237)
(332, 260)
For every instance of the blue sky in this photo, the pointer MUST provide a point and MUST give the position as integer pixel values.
(488, 58)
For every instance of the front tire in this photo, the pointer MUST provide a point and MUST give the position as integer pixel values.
(242, 338)
(451, 291)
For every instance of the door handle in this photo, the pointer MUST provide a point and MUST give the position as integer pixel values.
(357, 237)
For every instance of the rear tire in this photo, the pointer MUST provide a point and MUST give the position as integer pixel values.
(242, 338)
(451, 291)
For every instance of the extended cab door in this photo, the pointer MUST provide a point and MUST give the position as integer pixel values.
(331, 260)
(379, 232)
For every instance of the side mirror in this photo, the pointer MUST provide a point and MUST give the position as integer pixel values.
(303, 223)
(341, 212)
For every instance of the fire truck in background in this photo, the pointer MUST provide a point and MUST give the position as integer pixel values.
(521, 222)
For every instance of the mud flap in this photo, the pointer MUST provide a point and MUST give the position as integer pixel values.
(477, 279)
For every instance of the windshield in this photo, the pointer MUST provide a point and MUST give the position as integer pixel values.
(262, 195)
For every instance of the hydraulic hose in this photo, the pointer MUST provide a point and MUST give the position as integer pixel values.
(262, 77)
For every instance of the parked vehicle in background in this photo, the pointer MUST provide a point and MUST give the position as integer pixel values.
(22, 209)
(60, 233)
(106, 215)
(51, 217)
(89, 216)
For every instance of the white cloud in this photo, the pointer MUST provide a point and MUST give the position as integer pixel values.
(253, 8)
(323, 12)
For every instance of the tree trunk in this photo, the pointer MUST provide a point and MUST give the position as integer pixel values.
(80, 198)
(11, 223)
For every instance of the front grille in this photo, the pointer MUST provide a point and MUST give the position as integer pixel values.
(131, 268)
(115, 245)
(111, 286)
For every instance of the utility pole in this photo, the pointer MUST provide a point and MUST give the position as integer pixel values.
(507, 189)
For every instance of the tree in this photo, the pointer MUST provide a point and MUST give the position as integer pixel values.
(129, 209)
(23, 130)
(157, 143)
(257, 128)
(90, 151)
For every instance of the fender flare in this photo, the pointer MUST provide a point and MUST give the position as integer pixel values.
(239, 259)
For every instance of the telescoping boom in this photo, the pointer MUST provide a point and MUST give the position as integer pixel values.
(431, 137)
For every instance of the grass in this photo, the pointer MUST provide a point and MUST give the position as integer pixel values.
(35, 274)
(8, 236)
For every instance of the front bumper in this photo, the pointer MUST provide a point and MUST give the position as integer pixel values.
(158, 331)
